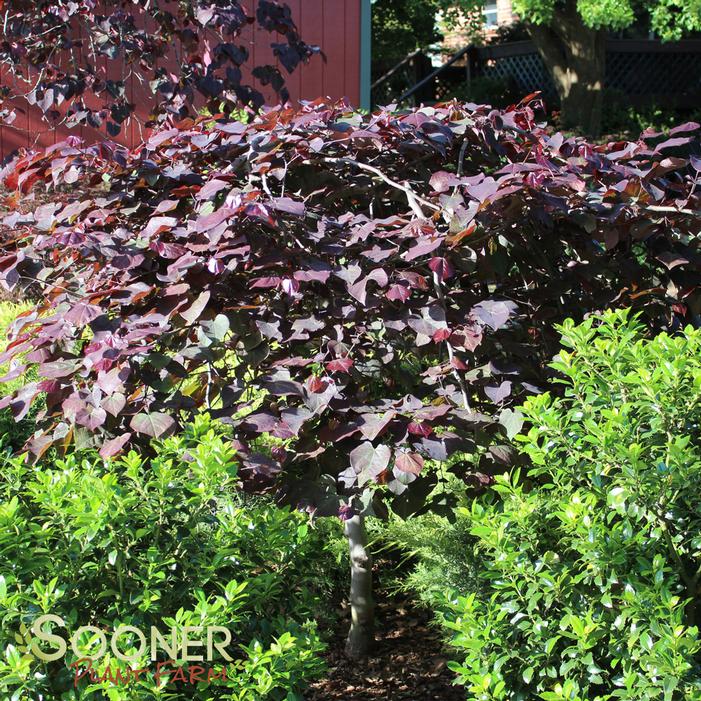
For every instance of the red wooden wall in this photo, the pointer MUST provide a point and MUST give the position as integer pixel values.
(334, 25)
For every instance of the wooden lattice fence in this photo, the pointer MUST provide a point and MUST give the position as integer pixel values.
(638, 71)
(667, 72)
(642, 71)
(518, 62)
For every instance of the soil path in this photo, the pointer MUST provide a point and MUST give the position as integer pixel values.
(407, 664)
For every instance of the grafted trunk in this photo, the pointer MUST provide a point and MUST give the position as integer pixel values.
(575, 56)
(361, 634)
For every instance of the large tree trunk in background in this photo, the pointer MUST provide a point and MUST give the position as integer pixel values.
(361, 635)
(575, 55)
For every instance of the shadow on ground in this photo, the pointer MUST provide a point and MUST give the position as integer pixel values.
(408, 662)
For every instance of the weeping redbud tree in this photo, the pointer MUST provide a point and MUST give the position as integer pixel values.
(75, 59)
(362, 298)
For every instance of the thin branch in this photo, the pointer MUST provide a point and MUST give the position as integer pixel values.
(411, 199)
(393, 183)
(672, 210)
(264, 182)
(53, 285)
(461, 157)
(441, 298)
(448, 345)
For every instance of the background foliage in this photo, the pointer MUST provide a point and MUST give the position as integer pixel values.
(399, 28)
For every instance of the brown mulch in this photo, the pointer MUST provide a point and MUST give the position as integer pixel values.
(408, 662)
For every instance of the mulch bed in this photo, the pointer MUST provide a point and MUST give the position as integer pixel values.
(408, 662)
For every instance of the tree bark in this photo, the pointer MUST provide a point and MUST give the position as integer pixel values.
(575, 56)
(361, 634)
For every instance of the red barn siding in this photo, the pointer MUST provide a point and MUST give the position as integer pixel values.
(335, 25)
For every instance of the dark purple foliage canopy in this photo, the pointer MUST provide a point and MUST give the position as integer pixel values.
(374, 291)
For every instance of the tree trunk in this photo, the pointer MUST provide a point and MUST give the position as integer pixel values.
(575, 56)
(361, 634)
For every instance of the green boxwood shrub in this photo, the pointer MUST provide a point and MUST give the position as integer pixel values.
(586, 567)
(155, 540)
(15, 433)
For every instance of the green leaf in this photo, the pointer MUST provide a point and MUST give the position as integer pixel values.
(550, 644)
(512, 421)
(220, 327)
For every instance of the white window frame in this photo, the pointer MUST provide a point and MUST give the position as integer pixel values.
(491, 14)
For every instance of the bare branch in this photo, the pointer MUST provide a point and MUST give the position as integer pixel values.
(417, 199)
